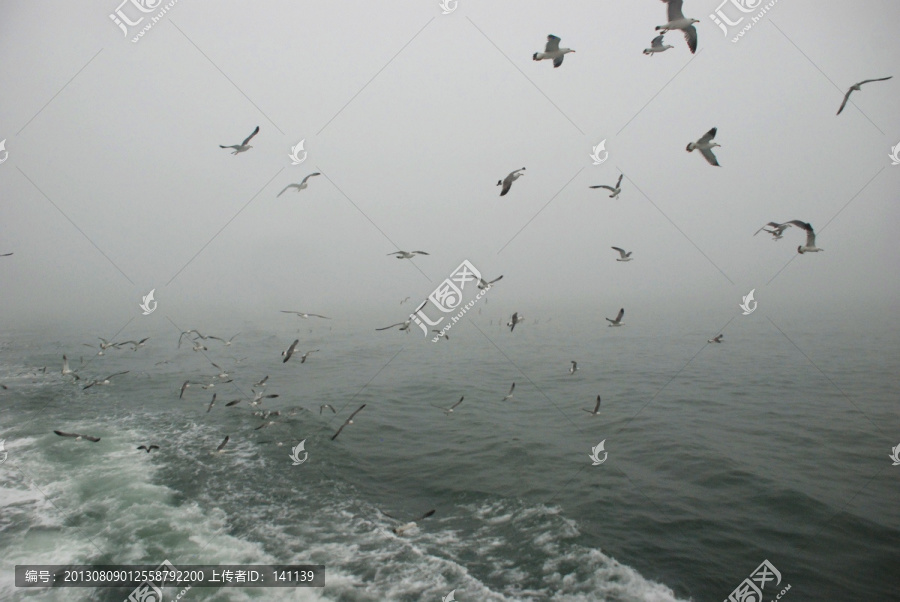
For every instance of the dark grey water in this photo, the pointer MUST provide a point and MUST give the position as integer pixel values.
(769, 446)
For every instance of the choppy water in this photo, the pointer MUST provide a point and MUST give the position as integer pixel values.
(768, 446)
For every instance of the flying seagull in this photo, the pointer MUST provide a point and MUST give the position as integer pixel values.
(184, 386)
(705, 146)
(810, 246)
(483, 284)
(135, 344)
(232, 403)
(326, 405)
(516, 318)
(198, 346)
(66, 370)
(402, 325)
(596, 409)
(78, 437)
(6, 255)
(623, 256)
(211, 403)
(407, 254)
(508, 180)
(348, 421)
(304, 315)
(290, 351)
(677, 21)
(406, 527)
(243, 146)
(618, 320)
(574, 367)
(258, 396)
(306, 355)
(449, 410)
(616, 190)
(188, 333)
(148, 448)
(856, 88)
(716, 339)
(657, 46)
(552, 51)
(776, 230)
(261, 383)
(227, 343)
(105, 381)
(510, 394)
(222, 445)
(301, 185)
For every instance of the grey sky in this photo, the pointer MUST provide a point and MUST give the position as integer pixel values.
(128, 152)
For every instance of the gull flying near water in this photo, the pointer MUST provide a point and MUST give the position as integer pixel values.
(290, 351)
(326, 405)
(261, 383)
(135, 344)
(705, 146)
(306, 355)
(301, 185)
(552, 51)
(510, 394)
(243, 146)
(776, 231)
(227, 343)
(657, 45)
(66, 370)
(304, 315)
(856, 88)
(716, 339)
(677, 21)
(516, 318)
(574, 367)
(348, 421)
(483, 284)
(78, 437)
(508, 180)
(449, 410)
(615, 191)
(596, 409)
(407, 526)
(211, 403)
(148, 448)
(810, 246)
(407, 254)
(402, 325)
(623, 256)
(618, 320)
(105, 381)
(221, 448)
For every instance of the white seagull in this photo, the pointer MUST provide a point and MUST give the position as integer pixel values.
(705, 146)
(105, 381)
(66, 370)
(348, 421)
(596, 409)
(810, 246)
(243, 146)
(221, 448)
(510, 394)
(716, 339)
(406, 527)
(407, 254)
(78, 437)
(301, 185)
(326, 405)
(776, 231)
(623, 256)
(552, 51)
(615, 191)
(402, 325)
(290, 351)
(508, 180)
(516, 318)
(483, 284)
(227, 343)
(677, 21)
(856, 88)
(306, 355)
(574, 367)
(449, 410)
(135, 344)
(305, 315)
(618, 320)
(657, 46)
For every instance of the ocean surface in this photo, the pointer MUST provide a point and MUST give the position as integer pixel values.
(773, 445)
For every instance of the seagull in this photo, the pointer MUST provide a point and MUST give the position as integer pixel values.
(404, 300)
(445, 335)
(616, 190)
(304, 315)
(66, 370)
(222, 445)
(483, 284)
(211, 403)
(258, 396)
(105, 381)
(716, 339)
(243, 146)
(856, 88)
(222, 373)
(5, 254)
(148, 448)
(618, 320)
(348, 421)
(261, 383)
(402, 325)
(198, 346)
(508, 180)
(574, 367)
(705, 146)
(404, 528)
(264, 425)
(515, 320)
(184, 386)
(301, 185)
(552, 51)
(306, 355)
(327, 405)
(776, 230)
(449, 410)
(227, 343)
(188, 333)
(810, 246)
(657, 46)
(623, 256)
(211, 385)
(677, 21)
(78, 437)
(233, 403)
(104, 344)
(407, 254)
(135, 344)
(290, 351)
(510, 394)
(596, 409)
